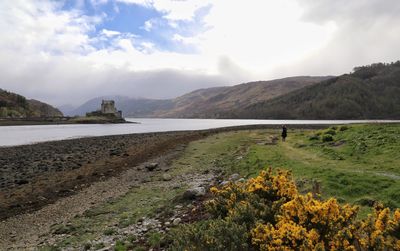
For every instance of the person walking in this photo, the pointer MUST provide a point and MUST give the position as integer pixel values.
(284, 133)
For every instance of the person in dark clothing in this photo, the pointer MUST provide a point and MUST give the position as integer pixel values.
(284, 132)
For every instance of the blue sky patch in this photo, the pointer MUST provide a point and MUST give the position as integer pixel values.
(130, 19)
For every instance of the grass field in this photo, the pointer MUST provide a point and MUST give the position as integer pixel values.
(360, 165)
(357, 164)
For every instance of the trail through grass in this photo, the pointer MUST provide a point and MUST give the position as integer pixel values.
(360, 165)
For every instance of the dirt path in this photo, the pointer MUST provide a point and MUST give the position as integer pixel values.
(27, 231)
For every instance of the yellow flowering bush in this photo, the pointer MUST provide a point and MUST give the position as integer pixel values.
(275, 216)
(380, 231)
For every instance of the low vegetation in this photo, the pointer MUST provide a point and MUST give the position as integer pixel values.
(16, 106)
(268, 213)
(343, 194)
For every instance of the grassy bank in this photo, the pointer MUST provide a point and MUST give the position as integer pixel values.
(360, 165)
(357, 164)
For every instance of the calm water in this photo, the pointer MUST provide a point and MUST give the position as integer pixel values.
(20, 135)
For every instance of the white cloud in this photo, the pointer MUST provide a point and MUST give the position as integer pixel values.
(148, 25)
(48, 53)
(110, 33)
(174, 9)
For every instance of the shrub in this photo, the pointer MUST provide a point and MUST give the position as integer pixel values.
(314, 137)
(211, 235)
(268, 213)
(155, 239)
(330, 131)
(343, 128)
(110, 231)
(327, 138)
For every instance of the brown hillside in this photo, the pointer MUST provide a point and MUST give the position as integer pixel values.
(220, 101)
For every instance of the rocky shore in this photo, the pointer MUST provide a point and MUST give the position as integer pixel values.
(35, 175)
(38, 174)
(54, 181)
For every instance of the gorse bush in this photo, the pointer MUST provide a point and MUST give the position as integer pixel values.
(268, 213)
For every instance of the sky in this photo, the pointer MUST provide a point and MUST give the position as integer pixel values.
(66, 52)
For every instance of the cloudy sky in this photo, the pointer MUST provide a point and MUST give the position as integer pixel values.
(69, 51)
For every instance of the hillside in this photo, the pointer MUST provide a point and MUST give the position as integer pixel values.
(214, 102)
(220, 101)
(16, 106)
(370, 92)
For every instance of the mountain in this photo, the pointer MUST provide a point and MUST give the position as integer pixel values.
(370, 92)
(219, 102)
(214, 102)
(16, 106)
(66, 109)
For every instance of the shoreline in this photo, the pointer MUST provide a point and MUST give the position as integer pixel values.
(290, 124)
(51, 170)
(60, 121)
(48, 171)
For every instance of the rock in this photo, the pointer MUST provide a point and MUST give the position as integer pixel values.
(234, 177)
(151, 166)
(21, 182)
(166, 177)
(241, 180)
(223, 183)
(176, 221)
(146, 180)
(193, 193)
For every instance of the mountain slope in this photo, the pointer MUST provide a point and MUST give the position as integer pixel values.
(371, 92)
(213, 102)
(218, 102)
(16, 106)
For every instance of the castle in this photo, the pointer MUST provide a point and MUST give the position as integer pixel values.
(108, 108)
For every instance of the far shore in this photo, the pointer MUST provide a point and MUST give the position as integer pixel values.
(60, 121)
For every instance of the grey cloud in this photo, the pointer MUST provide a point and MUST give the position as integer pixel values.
(355, 11)
(71, 82)
(367, 32)
(42, 56)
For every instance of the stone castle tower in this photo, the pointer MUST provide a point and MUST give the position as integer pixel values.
(108, 107)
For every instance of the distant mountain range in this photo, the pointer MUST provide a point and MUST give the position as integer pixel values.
(16, 106)
(370, 92)
(204, 103)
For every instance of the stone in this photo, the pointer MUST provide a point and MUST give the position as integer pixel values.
(166, 177)
(194, 192)
(223, 183)
(234, 177)
(151, 166)
(176, 221)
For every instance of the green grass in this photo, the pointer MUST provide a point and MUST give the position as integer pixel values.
(118, 213)
(359, 166)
